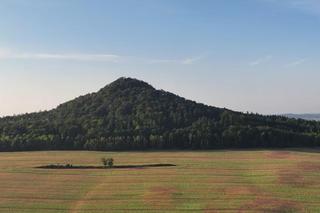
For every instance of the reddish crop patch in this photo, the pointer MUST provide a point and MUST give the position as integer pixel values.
(160, 194)
(211, 211)
(235, 191)
(232, 193)
(309, 166)
(279, 155)
(295, 176)
(272, 205)
(291, 178)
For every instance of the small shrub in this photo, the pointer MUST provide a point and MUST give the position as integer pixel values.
(107, 162)
(69, 165)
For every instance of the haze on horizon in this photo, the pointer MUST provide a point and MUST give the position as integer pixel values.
(255, 55)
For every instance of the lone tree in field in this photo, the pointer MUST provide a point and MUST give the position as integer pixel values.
(107, 162)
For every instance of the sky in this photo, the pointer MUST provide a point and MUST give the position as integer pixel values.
(247, 55)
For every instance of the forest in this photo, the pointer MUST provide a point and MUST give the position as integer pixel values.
(130, 114)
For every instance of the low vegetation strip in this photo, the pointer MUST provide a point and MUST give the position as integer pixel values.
(69, 166)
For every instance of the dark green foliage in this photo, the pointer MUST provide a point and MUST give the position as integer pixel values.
(107, 162)
(130, 114)
(58, 166)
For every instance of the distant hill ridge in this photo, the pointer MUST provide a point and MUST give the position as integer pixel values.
(311, 117)
(130, 114)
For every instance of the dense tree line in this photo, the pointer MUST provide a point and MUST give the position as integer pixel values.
(130, 114)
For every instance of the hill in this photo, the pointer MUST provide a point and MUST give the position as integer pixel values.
(310, 117)
(130, 114)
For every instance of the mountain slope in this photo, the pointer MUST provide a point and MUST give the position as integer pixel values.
(310, 117)
(131, 114)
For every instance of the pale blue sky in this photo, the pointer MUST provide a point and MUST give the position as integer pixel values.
(247, 55)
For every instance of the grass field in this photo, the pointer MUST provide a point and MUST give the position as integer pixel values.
(212, 181)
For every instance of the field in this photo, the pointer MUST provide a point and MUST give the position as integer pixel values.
(208, 181)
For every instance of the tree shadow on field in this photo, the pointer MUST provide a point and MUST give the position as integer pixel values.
(69, 166)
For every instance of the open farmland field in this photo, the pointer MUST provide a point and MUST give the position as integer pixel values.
(210, 181)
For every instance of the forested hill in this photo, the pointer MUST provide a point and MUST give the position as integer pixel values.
(130, 114)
